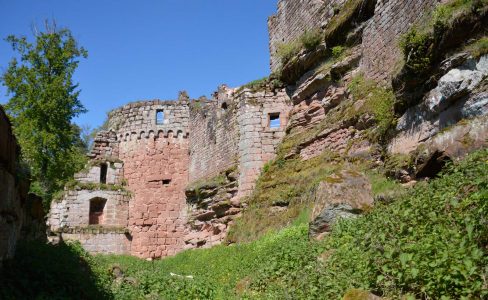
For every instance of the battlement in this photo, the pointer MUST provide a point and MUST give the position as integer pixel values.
(146, 119)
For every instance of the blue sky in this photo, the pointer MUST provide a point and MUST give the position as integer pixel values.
(150, 49)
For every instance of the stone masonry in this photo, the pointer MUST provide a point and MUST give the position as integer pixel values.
(294, 18)
(13, 191)
(151, 153)
(381, 35)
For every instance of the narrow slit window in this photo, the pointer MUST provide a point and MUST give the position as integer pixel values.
(274, 120)
(159, 117)
(103, 173)
(97, 205)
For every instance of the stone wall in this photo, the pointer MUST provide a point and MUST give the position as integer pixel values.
(156, 169)
(73, 209)
(13, 190)
(156, 163)
(381, 36)
(138, 119)
(293, 18)
(214, 135)
(105, 146)
(257, 140)
(108, 241)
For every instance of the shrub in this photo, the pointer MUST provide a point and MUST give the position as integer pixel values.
(337, 51)
(416, 48)
(377, 101)
(311, 39)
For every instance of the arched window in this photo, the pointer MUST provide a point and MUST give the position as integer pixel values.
(97, 205)
(159, 117)
(224, 106)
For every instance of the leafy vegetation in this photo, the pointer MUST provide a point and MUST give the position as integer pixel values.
(377, 101)
(44, 101)
(479, 47)
(309, 40)
(420, 44)
(430, 243)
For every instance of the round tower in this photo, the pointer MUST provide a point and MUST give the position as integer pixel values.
(153, 144)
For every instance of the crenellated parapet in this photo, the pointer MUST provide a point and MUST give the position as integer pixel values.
(150, 119)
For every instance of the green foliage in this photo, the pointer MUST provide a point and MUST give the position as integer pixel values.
(344, 15)
(43, 103)
(286, 51)
(479, 47)
(337, 51)
(416, 47)
(309, 40)
(420, 44)
(377, 101)
(42, 271)
(255, 84)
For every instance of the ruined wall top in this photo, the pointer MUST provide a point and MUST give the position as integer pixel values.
(293, 18)
(145, 117)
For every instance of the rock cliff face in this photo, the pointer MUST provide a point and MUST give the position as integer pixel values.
(21, 215)
(362, 87)
(351, 79)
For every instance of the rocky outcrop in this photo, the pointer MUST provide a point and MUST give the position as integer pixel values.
(343, 195)
(14, 186)
(213, 206)
(461, 94)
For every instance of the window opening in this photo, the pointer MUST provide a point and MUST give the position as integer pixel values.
(166, 181)
(159, 117)
(103, 173)
(97, 206)
(274, 120)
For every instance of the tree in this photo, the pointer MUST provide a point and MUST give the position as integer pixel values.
(43, 102)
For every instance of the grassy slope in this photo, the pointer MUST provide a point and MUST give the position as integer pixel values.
(429, 243)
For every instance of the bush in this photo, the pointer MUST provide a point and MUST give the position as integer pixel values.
(311, 39)
(416, 48)
(377, 101)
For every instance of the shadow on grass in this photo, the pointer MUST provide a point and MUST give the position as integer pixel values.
(41, 271)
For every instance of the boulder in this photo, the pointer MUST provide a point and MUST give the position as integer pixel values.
(343, 195)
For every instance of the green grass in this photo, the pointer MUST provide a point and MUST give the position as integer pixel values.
(431, 243)
(378, 101)
(479, 47)
(309, 40)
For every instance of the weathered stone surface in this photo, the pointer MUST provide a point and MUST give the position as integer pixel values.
(462, 93)
(293, 18)
(381, 35)
(343, 195)
(15, 209)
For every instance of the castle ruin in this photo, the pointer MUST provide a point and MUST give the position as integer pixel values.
(130, 198)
